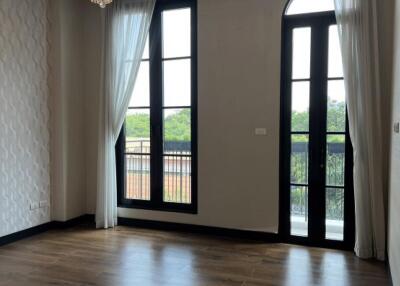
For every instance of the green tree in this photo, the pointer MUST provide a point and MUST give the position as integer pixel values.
(336, 122)
(300, 121)
(138, 125)
(176, 126)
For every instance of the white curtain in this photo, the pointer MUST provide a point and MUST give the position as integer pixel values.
(126, 26)
(357, 23)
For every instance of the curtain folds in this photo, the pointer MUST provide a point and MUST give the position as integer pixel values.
(126, 25)
(357, 24)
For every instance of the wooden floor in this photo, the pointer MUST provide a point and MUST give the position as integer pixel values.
(128, 256)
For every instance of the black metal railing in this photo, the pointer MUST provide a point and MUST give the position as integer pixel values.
(177, 170)
(335, 162)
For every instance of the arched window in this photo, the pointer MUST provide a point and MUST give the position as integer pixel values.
(309, 6)
(316, 194)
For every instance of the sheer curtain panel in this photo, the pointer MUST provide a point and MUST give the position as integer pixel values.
(126, 25)
(357, 22)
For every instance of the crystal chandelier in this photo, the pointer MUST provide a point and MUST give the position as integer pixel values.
(101, 3)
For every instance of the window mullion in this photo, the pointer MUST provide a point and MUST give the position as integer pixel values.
(156, 108)
(194, 105)
(318, 131)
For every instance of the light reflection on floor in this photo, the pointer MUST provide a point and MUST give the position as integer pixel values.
(154, 263)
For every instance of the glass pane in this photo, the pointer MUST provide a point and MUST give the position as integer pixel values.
(177, 131)
(177, 83)
(298, 211)
(141, 92)
(137, 131)
(307, 6)
(137, 177)
(335, 160)
(176, 33)
(300, 106)
(334, 213)
(336, 106)
(301, 53)
(177, 179)
(299, 160)
(146, 52)
(335, 54)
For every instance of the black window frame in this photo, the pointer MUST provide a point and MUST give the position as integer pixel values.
(156, 201)
(320, 21)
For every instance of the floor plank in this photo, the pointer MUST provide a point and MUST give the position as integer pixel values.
(131, 256)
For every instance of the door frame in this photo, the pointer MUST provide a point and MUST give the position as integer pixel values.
(318, 83)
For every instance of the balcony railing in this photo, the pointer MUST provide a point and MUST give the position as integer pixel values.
(177, 175)
(335, 161)
(177, 167)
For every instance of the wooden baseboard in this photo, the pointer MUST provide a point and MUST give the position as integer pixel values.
(85, 219)
(25, 233)
(188, 228)
(201, 229)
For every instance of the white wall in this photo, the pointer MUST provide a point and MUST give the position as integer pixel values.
(385, 30)
(389, 44)
(394, 194)
(24, 115)
(41, 93)
(92, 76)
(66, 82)
(239, 90)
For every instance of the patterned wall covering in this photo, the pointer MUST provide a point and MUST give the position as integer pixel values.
(24, 115)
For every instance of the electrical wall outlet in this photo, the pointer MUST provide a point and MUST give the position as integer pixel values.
(33, 206)
(43, 204)
(397, 127)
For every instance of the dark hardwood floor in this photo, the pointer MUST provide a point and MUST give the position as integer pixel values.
(129, 256)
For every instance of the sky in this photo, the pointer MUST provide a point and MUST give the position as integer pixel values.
(301, 55)
(301, 68)
(308, 6)
(176, 72)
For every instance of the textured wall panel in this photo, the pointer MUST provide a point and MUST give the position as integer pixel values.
(24, 114)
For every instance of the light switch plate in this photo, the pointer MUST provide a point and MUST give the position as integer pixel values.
(260, 131)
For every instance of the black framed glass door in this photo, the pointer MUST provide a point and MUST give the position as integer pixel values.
(317, 205)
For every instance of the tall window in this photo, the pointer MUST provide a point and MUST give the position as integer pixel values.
(157, 148)
(317, 194)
